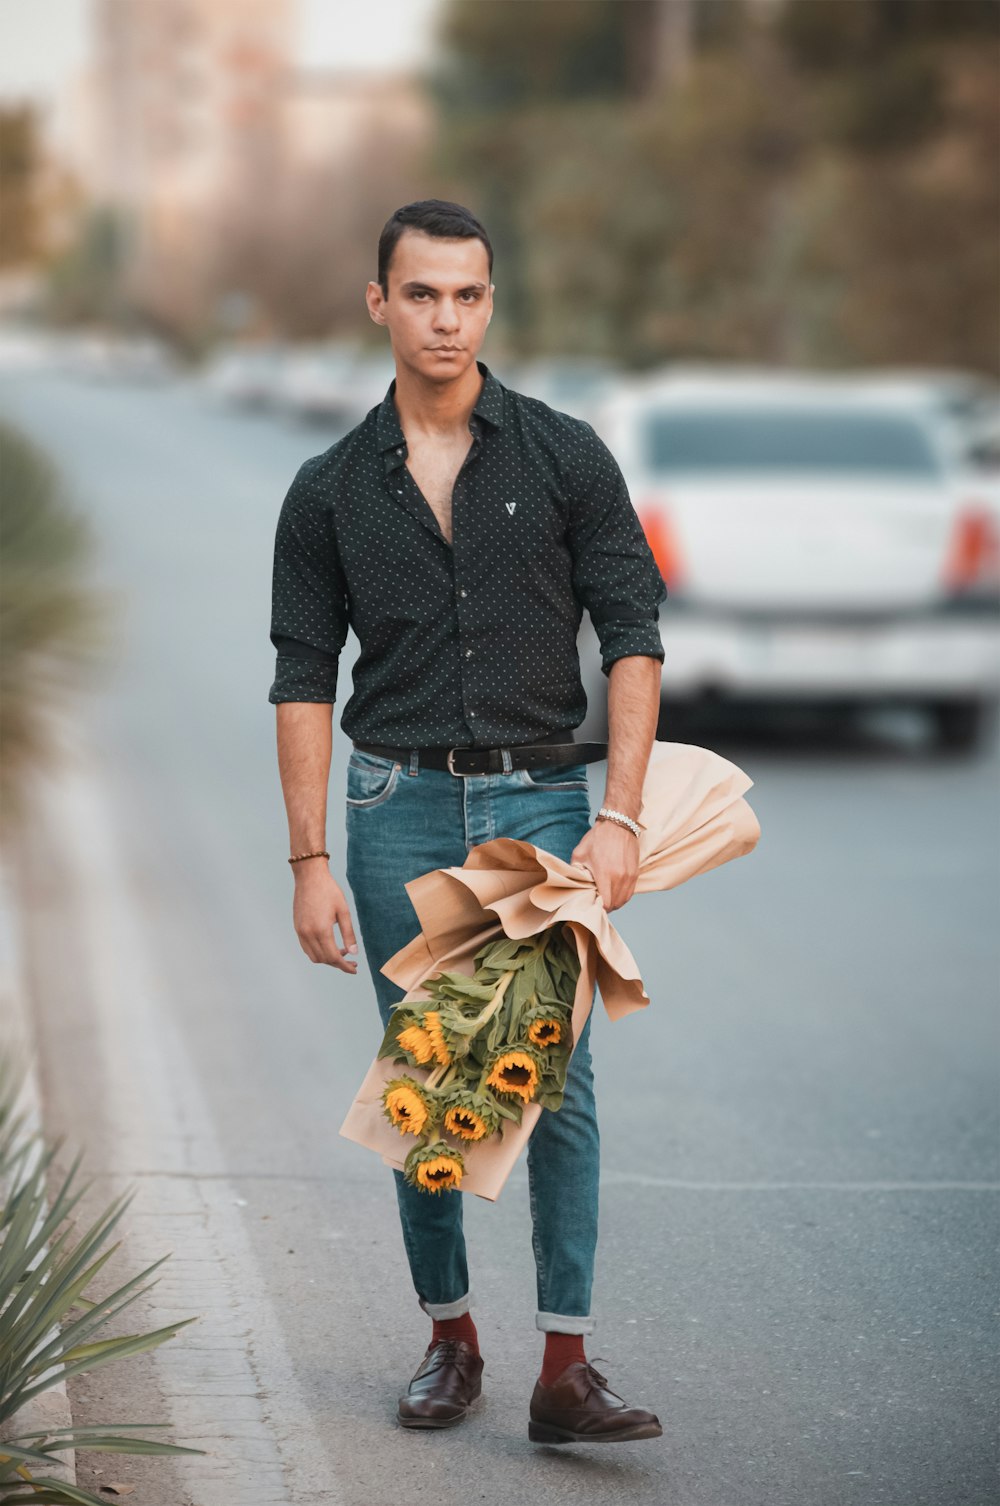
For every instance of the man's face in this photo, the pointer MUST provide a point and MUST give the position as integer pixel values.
(440, 295)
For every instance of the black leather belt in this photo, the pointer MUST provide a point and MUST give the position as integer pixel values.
(554, 748)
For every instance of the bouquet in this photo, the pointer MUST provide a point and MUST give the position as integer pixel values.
(517, 930)
(498, 1039)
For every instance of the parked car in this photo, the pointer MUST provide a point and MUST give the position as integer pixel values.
(572, 384)
(246, 375)
(370, 377)
(818, 544)
(316, 383)
(114, 356)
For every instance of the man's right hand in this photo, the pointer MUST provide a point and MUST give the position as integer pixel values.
(319, 905)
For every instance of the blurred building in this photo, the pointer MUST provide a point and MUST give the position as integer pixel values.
(333, 115)
(188, 93)
(197, 122)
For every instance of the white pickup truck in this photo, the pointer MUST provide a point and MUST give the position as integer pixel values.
(821, 543)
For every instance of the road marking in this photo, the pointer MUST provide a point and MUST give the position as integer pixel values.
(640, 1179)
(612, 1177)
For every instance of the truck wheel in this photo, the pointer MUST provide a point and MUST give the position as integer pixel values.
(959, 725)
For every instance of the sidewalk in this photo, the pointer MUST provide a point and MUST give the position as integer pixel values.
(51, 1408)
(121, 1086)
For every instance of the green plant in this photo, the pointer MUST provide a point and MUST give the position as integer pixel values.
(48, 1326)
(57, 625)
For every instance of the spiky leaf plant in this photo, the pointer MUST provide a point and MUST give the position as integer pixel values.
(48, 1326)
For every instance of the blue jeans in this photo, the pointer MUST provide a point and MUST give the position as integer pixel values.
(404, 820)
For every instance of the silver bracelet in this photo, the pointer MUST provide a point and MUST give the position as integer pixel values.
(619, 818)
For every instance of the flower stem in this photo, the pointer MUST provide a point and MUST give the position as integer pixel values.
(497, 999)
(437, 1077)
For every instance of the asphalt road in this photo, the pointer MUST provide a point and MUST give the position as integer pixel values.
(800, 1150)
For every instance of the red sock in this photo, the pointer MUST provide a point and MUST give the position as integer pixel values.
(561, 1349)
(456, 1328)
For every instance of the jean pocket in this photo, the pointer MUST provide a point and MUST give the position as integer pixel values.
(370, 778)
(555, 776)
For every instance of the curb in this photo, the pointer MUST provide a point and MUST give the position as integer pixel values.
(50, 1409)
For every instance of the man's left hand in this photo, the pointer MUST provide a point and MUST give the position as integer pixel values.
(611, 852)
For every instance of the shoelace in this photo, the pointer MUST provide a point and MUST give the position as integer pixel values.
(443, 1351)
(595, 1379)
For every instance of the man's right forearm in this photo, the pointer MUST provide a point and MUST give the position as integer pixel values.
(305, 738)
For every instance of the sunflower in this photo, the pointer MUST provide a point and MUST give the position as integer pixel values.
(469, 1115)
(432, 1026)
(417, 1043)
(406, 1105)
(515, 1070)
(545, 1032)
(437, 1167)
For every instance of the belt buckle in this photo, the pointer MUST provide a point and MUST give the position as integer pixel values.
(451, 768)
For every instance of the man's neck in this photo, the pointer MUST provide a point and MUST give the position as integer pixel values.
(436, 409)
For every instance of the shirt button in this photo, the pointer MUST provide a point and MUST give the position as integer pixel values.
(399, 491)
(399, 452)
(463, 592)
(468, 652)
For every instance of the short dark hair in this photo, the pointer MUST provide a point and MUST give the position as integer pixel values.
(433, 217)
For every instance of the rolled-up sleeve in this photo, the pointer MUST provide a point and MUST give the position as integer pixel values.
(309, 604)
(615, 574)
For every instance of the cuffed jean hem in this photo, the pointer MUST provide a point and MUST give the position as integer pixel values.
(559, 1323)
(447, 1309)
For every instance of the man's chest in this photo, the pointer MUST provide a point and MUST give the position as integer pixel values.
(434, 468)
(415, 545)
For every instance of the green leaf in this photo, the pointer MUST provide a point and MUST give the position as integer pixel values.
(84, 1428)
(49, 1492)
(128, 1344)
(108, 1443)
(8, 1453)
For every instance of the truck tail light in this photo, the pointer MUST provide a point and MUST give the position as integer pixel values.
(973, 559)
(660, 535)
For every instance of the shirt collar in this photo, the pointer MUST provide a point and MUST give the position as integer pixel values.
(489, 405)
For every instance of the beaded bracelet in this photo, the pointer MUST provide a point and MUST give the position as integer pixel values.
(308, 855)
(620, 819)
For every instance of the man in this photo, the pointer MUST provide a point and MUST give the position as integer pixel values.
(460, 529)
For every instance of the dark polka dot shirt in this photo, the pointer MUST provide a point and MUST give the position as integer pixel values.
(472, 643)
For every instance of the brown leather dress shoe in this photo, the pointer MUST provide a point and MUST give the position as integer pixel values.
(446, 1383)
(579, 1408)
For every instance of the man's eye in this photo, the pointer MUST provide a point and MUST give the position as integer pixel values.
(423, 293)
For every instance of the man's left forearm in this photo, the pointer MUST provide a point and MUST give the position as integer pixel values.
(633, 715)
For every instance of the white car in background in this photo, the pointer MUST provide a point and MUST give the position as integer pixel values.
(573, 384)
(315, 382)
(336, 382)
(245, 375)
(818, 544)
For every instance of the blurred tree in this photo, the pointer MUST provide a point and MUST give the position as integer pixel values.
(781, 180)
(907, 99)
(85, 280)
(915, 236)
(57, 629)
(827, 35)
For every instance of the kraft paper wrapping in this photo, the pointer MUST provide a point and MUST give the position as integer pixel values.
(694, 818)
